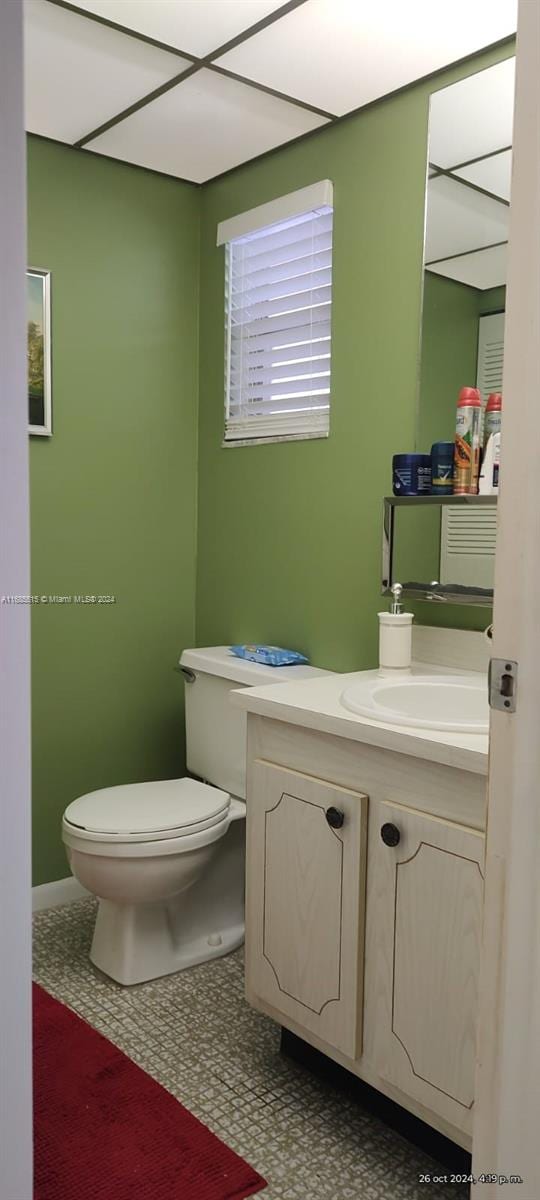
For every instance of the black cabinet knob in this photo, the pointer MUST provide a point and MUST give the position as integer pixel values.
(334, 817)
(390, 834)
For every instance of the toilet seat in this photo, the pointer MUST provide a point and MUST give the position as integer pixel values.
(148, 812)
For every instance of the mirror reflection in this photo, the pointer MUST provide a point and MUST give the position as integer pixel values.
(442, 552)
(468, 196)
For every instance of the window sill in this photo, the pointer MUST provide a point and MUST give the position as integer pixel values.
(265, 441)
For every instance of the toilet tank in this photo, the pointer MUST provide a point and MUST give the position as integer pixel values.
(215, 728)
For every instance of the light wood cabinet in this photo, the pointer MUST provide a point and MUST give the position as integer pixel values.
(425, 900)
(368, 949)
(306, 864)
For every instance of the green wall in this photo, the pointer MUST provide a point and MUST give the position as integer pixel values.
(449, 353)
(113, 492)
(289, 534)
(450, 316)
(288, 541)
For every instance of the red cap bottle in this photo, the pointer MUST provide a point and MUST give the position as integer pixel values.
(467, 443)
(493, 415)
(469, 398)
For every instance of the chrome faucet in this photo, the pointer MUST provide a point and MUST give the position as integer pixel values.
(396, 606)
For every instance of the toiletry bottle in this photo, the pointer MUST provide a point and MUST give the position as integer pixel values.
(411, 474)
(467, 443)
(489, 473)
(493, 416)
(442, 468)
(395, 635)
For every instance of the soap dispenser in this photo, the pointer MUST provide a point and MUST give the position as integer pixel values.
(395, 635)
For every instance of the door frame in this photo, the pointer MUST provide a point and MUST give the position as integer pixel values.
(506, 1123)
(15, 882)
(507, 1106)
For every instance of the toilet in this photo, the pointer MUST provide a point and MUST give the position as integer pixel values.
(166, 859)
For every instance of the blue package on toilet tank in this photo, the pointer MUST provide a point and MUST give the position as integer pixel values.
(269, 656)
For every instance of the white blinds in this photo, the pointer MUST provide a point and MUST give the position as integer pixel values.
(490, 354)
(278, 310)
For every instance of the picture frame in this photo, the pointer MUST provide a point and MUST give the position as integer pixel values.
(39, 351)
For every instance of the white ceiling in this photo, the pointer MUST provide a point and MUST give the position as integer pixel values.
(207, 125)
(493, 173)
(66, 54)
(461, 219)
(197, 26)
(483, 269)
(324, 58)
(341, 54)
(468, 201)
(472, 117)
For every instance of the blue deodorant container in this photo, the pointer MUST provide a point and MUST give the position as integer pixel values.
(442, 468)
(411, 474)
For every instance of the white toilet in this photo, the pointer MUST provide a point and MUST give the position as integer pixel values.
(166, 859)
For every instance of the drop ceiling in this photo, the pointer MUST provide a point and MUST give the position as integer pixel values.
(194, 88)
(470, 162)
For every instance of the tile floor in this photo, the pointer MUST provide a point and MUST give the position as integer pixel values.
(194, 1033)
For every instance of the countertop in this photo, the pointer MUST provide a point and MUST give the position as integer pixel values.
(315, 704)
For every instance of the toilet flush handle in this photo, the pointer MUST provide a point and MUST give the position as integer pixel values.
(189, 676)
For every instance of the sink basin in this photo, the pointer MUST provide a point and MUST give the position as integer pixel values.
(455, 703)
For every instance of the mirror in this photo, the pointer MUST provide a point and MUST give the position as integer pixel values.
(468, 196)
(440, 549)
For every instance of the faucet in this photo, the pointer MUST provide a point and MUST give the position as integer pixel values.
(435, 595)
(396, 606)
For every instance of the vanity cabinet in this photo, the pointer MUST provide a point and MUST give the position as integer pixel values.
(305, 902)
(425, 898)
(364, 911)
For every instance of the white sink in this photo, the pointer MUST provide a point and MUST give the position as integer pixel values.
(456, 703)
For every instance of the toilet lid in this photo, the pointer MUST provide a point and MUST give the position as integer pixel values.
(146, 811)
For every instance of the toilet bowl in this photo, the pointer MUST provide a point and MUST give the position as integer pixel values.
(166, 859)
(149, 852)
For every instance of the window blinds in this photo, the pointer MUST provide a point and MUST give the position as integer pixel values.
(490, 354)
(278, 319)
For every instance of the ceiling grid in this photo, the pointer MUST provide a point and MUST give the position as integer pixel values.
(470, 164)
(195, 88)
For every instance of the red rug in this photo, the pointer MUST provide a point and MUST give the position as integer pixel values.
(104, 1130)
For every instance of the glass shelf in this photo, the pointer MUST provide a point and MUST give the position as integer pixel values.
(396, 501)
(439, 553)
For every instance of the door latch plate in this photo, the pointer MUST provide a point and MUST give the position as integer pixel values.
(502, 677)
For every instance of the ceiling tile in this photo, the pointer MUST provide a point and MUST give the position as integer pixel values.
(493, 173)
(78, 73)
(472, 117)
(196, 26)
(339, 56)
(205, 126)
(458, 219)
(485, 269)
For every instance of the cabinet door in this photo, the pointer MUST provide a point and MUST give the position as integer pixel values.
(425, 894)
(305, 902)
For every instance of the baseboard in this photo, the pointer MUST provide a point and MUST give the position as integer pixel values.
(60, 891)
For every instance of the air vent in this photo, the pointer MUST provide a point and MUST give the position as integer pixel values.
(468, 537)
(489, 374)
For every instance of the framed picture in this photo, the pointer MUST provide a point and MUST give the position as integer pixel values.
(39, 351)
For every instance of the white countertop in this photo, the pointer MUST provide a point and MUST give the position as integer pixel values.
(315, 704)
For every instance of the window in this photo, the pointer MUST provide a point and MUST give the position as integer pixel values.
(278, 298)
